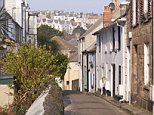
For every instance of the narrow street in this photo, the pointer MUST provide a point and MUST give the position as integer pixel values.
(88, 104)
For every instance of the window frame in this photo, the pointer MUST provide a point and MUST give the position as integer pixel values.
(146, 64)
(134, 11)
(119, 38)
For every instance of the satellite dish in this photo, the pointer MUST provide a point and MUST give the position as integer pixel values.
(112, 6)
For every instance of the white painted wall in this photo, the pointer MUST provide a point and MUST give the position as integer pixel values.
(17, 11)
(88, 40)
(108, 57)
(13, 7)
(5, 97)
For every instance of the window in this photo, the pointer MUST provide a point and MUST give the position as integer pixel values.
(146, 64)
(150, 8)
(110, 46)
(120, 79)
(113, 37)
(106, 70)
(145, 6)
(134, 7)
(105, 45)
(67, 82)
(119, 38)
(145, 10)
(99, 43)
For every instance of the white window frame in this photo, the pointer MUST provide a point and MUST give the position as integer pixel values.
(146, 64)
(111, 47)
(145, 6)
(106, 74)
(134, 12)
(105, 43)
(105, 47)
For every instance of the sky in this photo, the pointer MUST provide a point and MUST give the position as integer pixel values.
(95, 6)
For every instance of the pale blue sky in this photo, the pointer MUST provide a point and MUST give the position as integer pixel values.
(95, 6)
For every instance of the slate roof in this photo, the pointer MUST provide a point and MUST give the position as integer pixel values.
(73, 41)
(64, 45)
(74, 57)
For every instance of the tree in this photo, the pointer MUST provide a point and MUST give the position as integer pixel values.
(61, 61)
(33, 69)
(45, 32)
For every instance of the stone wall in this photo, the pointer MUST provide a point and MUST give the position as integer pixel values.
(50, 102)
(53, 104)
(141, 34)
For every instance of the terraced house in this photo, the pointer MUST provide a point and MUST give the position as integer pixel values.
(112, 53)
(139, 44)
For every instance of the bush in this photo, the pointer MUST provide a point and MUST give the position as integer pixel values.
(33, 69)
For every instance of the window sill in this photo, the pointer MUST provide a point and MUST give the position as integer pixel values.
(135, 25)
(146, 87)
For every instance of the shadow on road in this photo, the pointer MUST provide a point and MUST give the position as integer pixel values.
(66, 98)
(69, 92)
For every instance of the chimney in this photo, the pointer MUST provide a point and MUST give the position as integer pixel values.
(106, 16)
(109, 11)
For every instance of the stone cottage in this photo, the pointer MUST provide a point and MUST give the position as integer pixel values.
(139, 44)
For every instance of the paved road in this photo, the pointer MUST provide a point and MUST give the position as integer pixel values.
(88, 104)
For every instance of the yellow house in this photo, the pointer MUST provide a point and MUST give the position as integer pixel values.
(71, 78)
(6, 93)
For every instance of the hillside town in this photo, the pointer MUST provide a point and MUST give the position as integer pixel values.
(55, 62)
(66, 21)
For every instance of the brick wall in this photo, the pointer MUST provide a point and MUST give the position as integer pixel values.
(106, 16)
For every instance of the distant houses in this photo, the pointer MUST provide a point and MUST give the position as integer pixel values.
(66, 21)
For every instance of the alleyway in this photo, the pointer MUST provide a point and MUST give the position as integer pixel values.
(88, 104)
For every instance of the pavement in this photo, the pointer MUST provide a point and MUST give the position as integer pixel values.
(77, 103)
(130, 109)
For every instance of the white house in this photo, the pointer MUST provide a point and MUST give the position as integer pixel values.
(111, 59)
(87, 58)
(66, 21)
